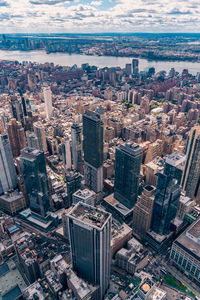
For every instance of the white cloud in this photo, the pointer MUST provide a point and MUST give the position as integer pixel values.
(99, 15)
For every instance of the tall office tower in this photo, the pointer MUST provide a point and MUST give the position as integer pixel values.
(76, 146)
(142, 211)
(16, 137)
(90, 236)
(40, 134)
(16, 108)
(66, 154)
(33, 169)
(128, 158)
(166, 203)
(135, 63)
(128, 69)
(93, 130)
(8, 176)
(174, 165)
(48, 101)
(191, 176)
(73, 180)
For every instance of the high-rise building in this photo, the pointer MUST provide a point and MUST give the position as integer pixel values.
(142, 211)
(191, 176)
(66, 154)
(135, 63)
(48, 101)
(90, 236)
(93, 131)
(33, 169)
(40, 134)
(166, 203)
(73, 180)
(128, 160)
(8, 176)
(16, 108)
(174, 165)
(16, 137)
(76, 146)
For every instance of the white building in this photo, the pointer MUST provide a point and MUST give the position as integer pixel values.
(48, 101)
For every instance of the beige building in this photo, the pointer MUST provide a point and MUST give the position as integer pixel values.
(142, 211)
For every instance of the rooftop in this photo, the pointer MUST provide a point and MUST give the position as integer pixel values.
(89, 215)
(190, 239)
(131, 148)
(84, 194)
(175, 159)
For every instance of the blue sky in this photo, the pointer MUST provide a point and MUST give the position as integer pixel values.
(99, 16)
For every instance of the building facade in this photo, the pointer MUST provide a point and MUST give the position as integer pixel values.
(8, 176)
(128, 160)
(90, 236)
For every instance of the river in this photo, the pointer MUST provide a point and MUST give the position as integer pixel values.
(66, 59)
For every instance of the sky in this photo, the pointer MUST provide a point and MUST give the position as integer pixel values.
(92, 16)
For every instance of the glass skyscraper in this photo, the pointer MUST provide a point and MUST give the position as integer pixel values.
(128, 160)
(33, 168)
(93, 131)
(165, 204)
(191, 175)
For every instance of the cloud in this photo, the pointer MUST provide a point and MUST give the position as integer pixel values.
(176, 11)
(48, 2)
(96, 3)
(4, 3)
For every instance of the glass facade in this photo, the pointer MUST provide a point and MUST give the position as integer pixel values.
(93, 130)
(165, 204)
(127, 172)
(35, 177)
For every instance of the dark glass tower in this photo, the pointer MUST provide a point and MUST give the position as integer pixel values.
(93, 130)
(93, 138)
(191, 175)
(174, 166)
(33, 168)
(165, 204)
(90, 235)
(128, 160)
(76, 135)
(73, 180)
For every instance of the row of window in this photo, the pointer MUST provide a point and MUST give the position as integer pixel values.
(185, 264)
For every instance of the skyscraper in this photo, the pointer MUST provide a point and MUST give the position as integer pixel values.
(76, 146)
(93, 130)
(16, 137)
(33, 169)
(135, 63)
(90, 235)
(166, 202)
(174, 165)
(142, 211)
(128, 158)
(66, 154)
(16, 108)
(8, 176)
(191, 176)
(40, 134)
(48, 101)
(73, 180)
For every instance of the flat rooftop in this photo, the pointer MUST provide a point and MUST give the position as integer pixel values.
(190, 239)
(11, 281)
(131, 148)
(175, 159)
(116, 205)
(84, 194)
(89, 215)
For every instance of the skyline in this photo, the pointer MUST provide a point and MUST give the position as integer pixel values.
(56, 16)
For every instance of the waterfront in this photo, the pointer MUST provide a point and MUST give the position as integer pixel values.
(66, 59)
